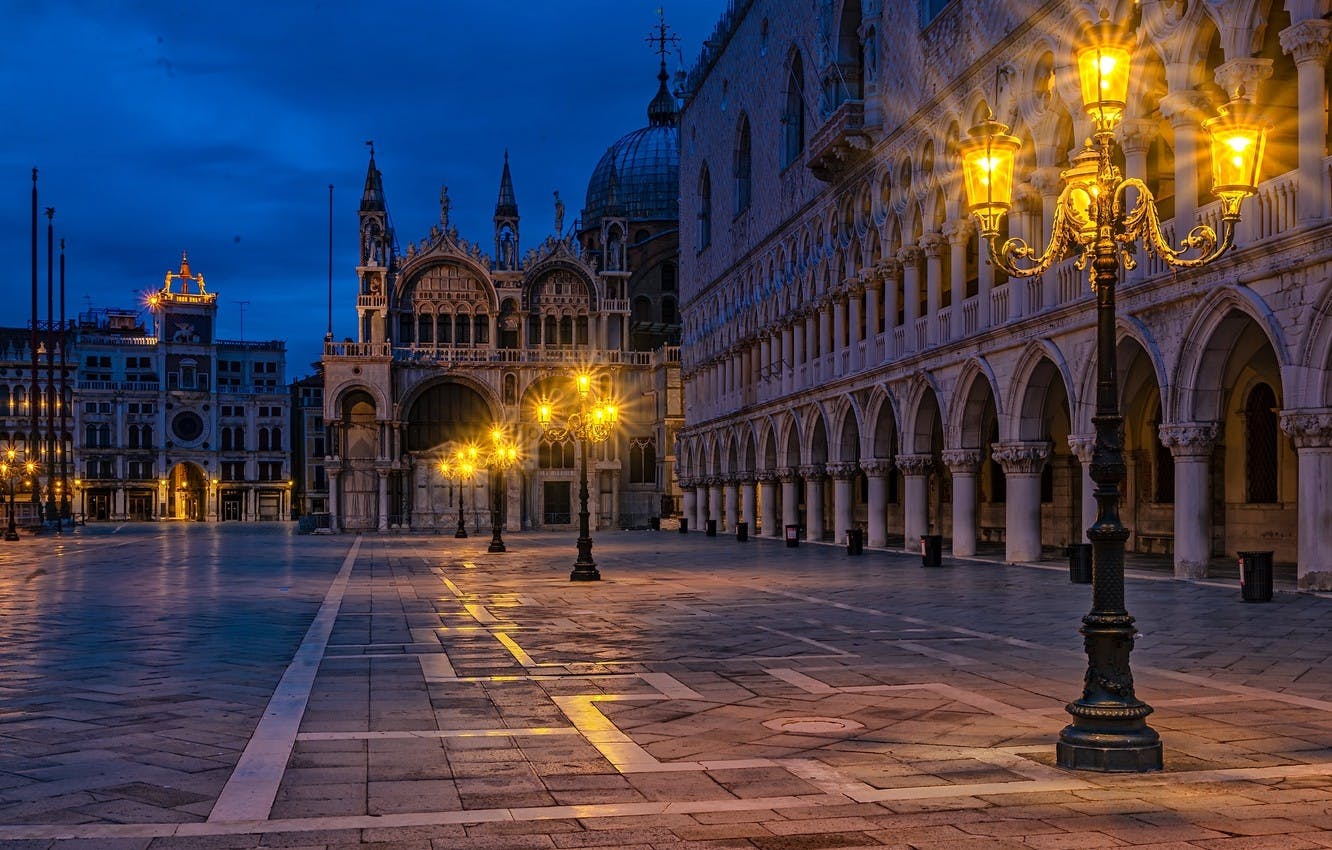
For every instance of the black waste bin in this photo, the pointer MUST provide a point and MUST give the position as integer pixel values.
(742, 531)
(1255, 576)
(654, 523)
(855, 542)
(684, 525)
(792, 536)
(931, 550)
(1080, 563)
(711, 528)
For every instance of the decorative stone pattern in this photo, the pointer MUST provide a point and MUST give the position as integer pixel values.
(1308, 430)
(843, 471)
(1025, 458)
(1190, 439)
(915, 464)
(962, 461)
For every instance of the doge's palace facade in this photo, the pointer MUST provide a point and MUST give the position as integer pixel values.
(851, 359)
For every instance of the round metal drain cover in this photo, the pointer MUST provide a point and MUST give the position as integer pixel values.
(813, 725)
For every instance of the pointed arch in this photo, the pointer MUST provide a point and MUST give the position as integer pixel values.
(742, 166)
(1041, 362)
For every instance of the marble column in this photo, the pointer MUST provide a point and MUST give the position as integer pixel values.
(732, 491)
(1191, 445)
(1135, 139)
(747, 498)
(934, 245)
(1308, 43)
(873, 305)
(1022, 463)
(892, 287)
(814, 476)
(334, 472)
(963, 464)
(837, 307)
(1311, 432)
(687, 497)
(1048, 183)
(1185, 109)
(715, 500)
(701, 504)
(916, 493)
(877, 525)
(1082, 446)
(855, 323)
(769, 526)
(959, 233)
(383, 499)
(844, 479)
(790, 498)
(826, 345)
(909, 257)
(787, 367)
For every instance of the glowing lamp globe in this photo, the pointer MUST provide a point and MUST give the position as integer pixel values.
(1103, 72)
(1239, 136)
(987, 170)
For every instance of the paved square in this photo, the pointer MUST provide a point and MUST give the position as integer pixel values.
(190, 686)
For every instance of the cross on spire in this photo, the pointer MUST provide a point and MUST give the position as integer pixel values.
(662, 36)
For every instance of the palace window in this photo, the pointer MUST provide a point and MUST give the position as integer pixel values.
(704, 209)
(1260, 446)
(742, 167)
(793, 116)
(642, 461)
(555, 455)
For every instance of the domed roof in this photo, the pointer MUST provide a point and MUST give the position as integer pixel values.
(639, 176)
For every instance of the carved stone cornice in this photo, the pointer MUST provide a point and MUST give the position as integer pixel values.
(915, 464)
(1021, 458)
(843, 471)
(878, 468)
(1189, 439)
(1136, 135)
(961, 461)
(1082, 446)
(1308, 429)
(1307, 41)
(813, 472)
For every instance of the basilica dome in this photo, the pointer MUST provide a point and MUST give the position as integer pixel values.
(639, 176)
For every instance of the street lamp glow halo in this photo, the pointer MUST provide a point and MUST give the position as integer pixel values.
(1239, 139)
(987, 168)
(1103, 73)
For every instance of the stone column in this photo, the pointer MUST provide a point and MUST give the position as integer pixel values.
(1185, 110)
(856, 324)
(1135, 138)
(1048, 183)
(984, 285)
(959, 232)
(1191, 445)
(687, 499)
(1082, 446)
(732, 491)
(892, 285)
(334, 472)
(812, 341)
(916, 492)
(837, 306)
(877, 526)
(383, 499)
(768, 505)
(798, 341)
(814, 476)
(715, 500)
(1022, 463)
(844, 477)
(873, 304)
(1312, 433)
(826, 345)
(790, 499)
(701, 504)
(1308, 43)
(909, 257)
(787, 368)
(963, 464)
(747, 498)
(934, 245)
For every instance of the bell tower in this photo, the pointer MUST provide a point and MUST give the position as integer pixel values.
(376, 257)
(506, 222)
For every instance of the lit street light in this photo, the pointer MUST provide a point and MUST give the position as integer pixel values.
(460, 468)
(503, 455)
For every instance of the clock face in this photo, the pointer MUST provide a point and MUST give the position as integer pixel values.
(187, 426)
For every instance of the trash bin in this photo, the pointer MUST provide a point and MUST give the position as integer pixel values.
(654, 523)
(792, 536)
(855, 542)
(1255, 576)
(711, 528)
(931, 550)
(742, 531)
(684, 525)
(1080, 563)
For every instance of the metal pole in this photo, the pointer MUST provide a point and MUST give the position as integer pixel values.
(585, 569)
(65, 512)
(1109, 731)
(52, 512)
(496, 537)
(34, 433)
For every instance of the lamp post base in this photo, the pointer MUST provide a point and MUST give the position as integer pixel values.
(11, 533)
(1114, 750)
(585, 572)
(496, 545)
(460, 533)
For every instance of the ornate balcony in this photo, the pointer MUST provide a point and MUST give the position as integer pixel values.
(841, 142)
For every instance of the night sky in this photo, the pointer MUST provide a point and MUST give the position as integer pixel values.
(216, 128)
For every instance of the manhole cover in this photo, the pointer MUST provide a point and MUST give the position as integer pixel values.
(814, 725)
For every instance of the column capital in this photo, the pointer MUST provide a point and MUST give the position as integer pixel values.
(713, 481)
(813, 471)
(909, 256)
(1183, 108)
(1307, 41)
(1082, 446)
(962, 461)
(1189, 439)
(959, 230)
(878, 468)
(1136, 134)
(933, 244)
(889, 267)
(768, 476)
(855, 289)
(915, 464)
(1309, 429)
(843, 471)
(1023, 457)
(787, 474)
(1239, 78)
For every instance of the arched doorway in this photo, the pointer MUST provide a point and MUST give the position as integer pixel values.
(358, 501)
(187, 492)
(442, 419)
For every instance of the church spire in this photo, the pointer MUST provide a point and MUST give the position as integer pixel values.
(662, 111)
(372, 198)
(507, 204)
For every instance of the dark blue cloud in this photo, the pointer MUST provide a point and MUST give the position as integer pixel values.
(216, 128)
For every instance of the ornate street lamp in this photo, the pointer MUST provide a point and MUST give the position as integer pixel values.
(460, 468)
(503, 454)
(593, 421)
(1109, 731)
(10, 469)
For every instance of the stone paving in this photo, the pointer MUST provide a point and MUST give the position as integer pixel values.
(222, 686)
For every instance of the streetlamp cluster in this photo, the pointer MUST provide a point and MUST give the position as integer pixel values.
(11, 470)
(1098, 220)
(592, 420)
(461, 468)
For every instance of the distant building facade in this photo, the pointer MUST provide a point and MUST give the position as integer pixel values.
(174, 423)
(451, 339)
(851, 359)
(309, 447)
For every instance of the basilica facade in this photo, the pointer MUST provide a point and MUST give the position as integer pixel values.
(853, 360)
(454, 339)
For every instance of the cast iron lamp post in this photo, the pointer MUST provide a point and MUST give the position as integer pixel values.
(10, 469)
(1109, 731)
(592, 422)
(461, 467)
(503, 454)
